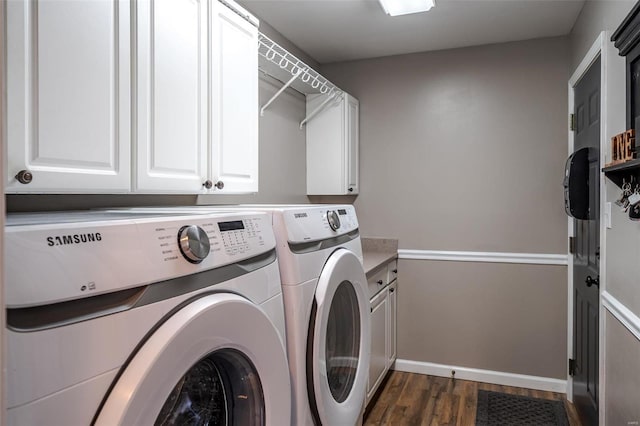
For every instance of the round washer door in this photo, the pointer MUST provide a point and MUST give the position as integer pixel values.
(341, 339)
(217, 360)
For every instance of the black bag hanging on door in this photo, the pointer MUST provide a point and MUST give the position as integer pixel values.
(576, 184)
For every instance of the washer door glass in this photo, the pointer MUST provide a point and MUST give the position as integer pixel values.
(343, 341)
(220, 389)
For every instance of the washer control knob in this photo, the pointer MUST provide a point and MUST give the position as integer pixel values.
(333, 219)
(194, 243)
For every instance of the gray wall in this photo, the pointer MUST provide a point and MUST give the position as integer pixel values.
(622, 375)
(498, 317)
(596, 16)
(464, 150)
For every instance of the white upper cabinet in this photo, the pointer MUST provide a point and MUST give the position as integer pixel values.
(68, 96)
(172, 95)
(234, 144)
(190, 125)
(332, 145)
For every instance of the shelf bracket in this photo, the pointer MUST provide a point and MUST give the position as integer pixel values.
(282, 89)
(330, 97)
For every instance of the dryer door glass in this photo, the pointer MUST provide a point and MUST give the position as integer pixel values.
(343, 341)
(338, 342)
(220, 389)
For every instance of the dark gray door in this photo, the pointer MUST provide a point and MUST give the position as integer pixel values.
(586, 258)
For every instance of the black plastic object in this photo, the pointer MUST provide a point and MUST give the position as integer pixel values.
(576, 184)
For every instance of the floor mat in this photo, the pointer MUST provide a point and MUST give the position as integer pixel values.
(502, 409)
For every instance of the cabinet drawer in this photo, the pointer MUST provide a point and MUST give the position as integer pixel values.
(377, 281)
(392, 270)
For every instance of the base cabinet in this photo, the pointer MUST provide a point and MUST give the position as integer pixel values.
(383, 351)
(378, 357)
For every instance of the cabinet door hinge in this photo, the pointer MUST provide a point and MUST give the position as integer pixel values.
(572, 122)
(572, 367)
(572, 245)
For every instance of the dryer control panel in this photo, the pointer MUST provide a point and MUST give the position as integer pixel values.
(319, 222)
(97, 252)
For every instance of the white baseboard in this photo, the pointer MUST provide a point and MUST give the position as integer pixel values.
(485, 376)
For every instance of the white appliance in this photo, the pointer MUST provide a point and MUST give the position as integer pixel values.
(326, 308)
(121, 319)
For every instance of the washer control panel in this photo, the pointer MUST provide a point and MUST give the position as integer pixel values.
(91, 255)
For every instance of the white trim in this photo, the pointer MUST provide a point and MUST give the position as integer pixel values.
(485, 376)
(490, 257)
(630, 320)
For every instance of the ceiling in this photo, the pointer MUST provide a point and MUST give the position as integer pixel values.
(341, 30)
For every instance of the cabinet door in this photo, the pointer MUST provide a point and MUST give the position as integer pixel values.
(68, 95)
(172, 95)
(378, 359)
(332, 146)
(352, 138)
(392, 324)
(234, 153)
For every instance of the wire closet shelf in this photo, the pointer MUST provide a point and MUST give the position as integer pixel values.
(284, 66)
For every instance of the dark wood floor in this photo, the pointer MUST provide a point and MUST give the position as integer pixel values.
(416, 399)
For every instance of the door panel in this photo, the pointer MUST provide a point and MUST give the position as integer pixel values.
(68, 95)
(586, 257)
(172, 95)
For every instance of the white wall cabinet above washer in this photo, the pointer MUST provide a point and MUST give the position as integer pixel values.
(195, 116)
(172, 87)
(234, 144)
(68, 96)
(176, 150)
(332, 146)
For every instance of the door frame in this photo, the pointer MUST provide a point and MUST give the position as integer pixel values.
(612, 121)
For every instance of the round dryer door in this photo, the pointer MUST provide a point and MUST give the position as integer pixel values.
(340, 333)
(216, 361)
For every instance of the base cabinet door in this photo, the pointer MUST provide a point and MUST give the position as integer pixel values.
(234, 144)
(68, 96)
(392, 350)
(378, 358)
(172, 95)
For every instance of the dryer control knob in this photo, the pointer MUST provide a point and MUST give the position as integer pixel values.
(194, 243)
(333, 219)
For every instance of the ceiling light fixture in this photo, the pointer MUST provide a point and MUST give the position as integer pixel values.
(405, 7)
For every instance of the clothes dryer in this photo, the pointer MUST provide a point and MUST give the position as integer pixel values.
(121, 319)
(326, 308)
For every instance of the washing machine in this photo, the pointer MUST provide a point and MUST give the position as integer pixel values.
(326, 308)
(123, 319)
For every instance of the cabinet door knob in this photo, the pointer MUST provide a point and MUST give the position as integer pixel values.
(392, 290)
(395, 271)
(207, 184)
(350, 189)
(219, 184)
(24, 177)
(380, 282)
